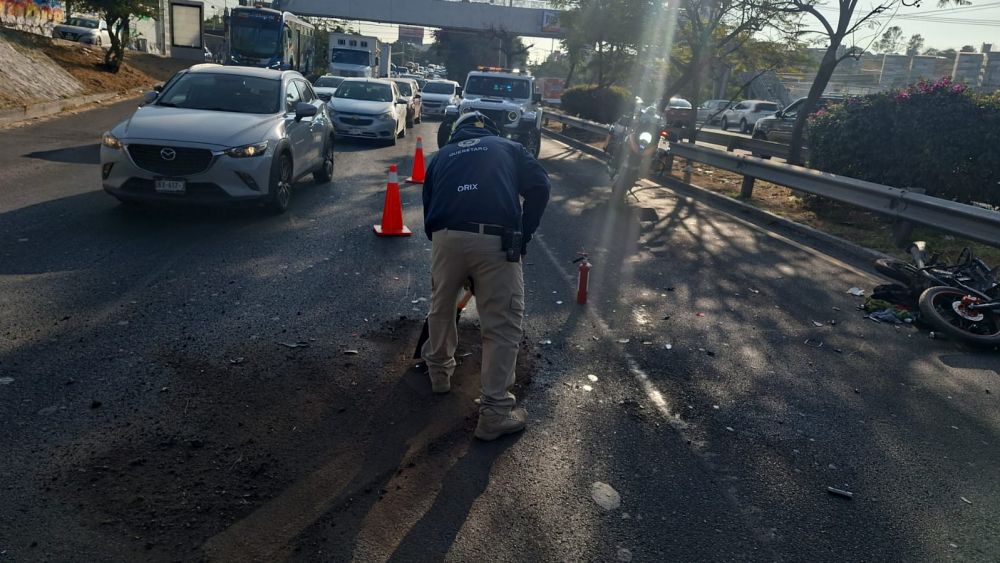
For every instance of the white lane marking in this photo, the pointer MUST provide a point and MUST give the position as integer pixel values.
(652, 393)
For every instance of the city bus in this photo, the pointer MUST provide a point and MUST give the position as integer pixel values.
(268, 38)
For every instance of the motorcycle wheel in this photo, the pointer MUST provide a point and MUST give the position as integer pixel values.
(903, 272)
(941, 307)
(620, 189)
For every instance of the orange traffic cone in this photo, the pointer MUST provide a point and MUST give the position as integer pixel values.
(392, 212)
(418, 164)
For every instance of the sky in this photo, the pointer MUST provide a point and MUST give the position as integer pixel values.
(941, 28)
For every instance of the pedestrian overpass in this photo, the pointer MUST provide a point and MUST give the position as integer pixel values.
(534, 18)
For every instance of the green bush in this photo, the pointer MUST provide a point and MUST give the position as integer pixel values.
(938, 136)
(603, 105)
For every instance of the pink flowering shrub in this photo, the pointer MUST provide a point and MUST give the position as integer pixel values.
(936, 135)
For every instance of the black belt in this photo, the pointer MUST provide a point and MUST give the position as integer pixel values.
(477, 228)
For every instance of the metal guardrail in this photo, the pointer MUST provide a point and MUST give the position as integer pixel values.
(756, 147)
(588, 126)
(909, 206)
(906, 206)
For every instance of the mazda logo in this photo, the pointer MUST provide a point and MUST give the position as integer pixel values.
(168, 153)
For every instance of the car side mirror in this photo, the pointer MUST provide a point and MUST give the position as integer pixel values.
(417, 96)
(149, 97)
(458, 91)
(779, 113)
(536, 97)
(401, 101)
(157, 88)
(304, 110)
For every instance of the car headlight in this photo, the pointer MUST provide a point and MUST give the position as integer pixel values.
(387, 116)
(110, 141)
(248, 151)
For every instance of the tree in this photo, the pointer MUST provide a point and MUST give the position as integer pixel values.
(834, 32)
(889, 42)
(462, 51)
(610, 32)
(915, 44)
(118, 15)
(714, 37)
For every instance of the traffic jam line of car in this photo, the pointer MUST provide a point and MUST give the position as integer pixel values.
(217, 134)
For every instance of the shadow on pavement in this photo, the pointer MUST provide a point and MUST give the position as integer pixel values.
(84, 154)
(431, 538)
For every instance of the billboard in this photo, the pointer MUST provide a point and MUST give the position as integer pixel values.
(550, 22)
(410, 34)
(552, 89)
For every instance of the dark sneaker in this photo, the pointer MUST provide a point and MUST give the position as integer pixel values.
(495, 423)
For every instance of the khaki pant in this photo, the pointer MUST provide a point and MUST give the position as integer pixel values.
(499, 286)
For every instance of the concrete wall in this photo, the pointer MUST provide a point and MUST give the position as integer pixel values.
(991, 72)
(895, 71)
(968, 68)
(428, 13)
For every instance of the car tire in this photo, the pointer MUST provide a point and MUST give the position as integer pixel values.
(743, 126)
(725, 124)
(324, 173)
(280, 190)
(402, 131)
(418, 117)
(410, 120)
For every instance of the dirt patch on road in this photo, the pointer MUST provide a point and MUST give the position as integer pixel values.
(274, 449)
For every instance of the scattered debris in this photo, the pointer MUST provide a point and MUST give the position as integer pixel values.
(350, 352)
(700, 314)
(559, 302)
(465, 355)
(587, 388)
(840, 493)
(965, 500)
(817, 324)
(236, 361)
(545, 342)
(9, 380)
(752, 290)
(813, 343)
(856, 291)
(418, 300)
(623, 340)
(605, 496)
(295, 344)
(730, 429)
(122, 323)
(592, 377)
(624, 555)
(668, 346)
(647, 342)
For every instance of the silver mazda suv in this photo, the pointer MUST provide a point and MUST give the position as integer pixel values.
(217, 134)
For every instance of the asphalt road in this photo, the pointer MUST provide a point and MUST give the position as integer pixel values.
(227, 385)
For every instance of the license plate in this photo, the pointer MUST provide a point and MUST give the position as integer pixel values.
(170, 186)
(354, 131)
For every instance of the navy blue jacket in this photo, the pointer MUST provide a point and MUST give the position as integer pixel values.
(478, 177)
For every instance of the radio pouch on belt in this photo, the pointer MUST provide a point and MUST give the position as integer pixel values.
(511, 243)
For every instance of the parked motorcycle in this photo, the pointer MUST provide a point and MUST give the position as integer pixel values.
(632, 149)
(960, 299)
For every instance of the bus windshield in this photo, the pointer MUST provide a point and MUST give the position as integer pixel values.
(255, 37)
(349, 57)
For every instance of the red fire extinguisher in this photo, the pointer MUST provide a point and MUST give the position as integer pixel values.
(583, 282)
